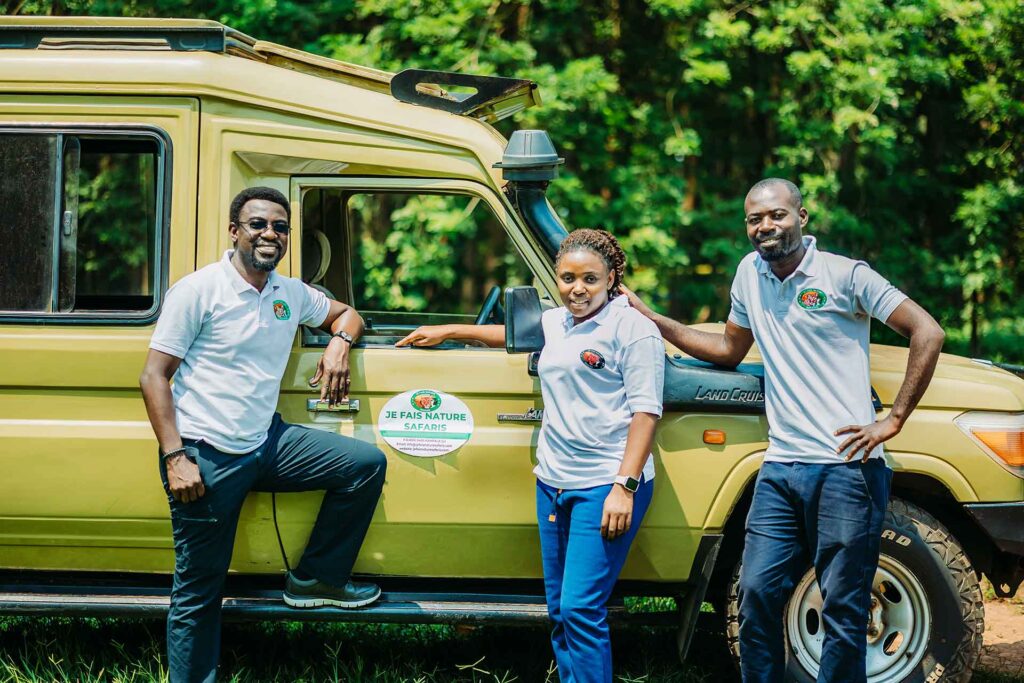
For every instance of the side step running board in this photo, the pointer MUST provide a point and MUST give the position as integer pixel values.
(254, 605)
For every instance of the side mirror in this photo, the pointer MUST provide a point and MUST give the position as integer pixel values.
(523, 331)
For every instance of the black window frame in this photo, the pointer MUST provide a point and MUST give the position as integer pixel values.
(162, 214)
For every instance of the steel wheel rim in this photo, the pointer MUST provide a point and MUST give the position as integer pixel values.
(900, 617)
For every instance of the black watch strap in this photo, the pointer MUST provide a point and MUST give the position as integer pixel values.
(345, 336)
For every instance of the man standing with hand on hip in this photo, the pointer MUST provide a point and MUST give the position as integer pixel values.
(224, 336)
(822, 492)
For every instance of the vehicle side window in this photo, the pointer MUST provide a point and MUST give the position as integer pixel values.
(405, 260)
(81, 224)
(28, 172)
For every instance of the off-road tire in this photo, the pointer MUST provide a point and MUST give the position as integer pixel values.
(954, 597)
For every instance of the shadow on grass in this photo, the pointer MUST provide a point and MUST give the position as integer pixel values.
(61, 649)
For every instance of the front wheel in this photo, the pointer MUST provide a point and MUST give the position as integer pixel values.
(926, 619)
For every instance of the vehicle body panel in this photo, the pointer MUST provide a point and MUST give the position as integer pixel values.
(75, 444)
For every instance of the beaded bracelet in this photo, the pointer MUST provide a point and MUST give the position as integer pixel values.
(176, 451)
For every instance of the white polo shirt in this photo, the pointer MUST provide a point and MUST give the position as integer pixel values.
(593, 377)
(234, 343)
(813, 331)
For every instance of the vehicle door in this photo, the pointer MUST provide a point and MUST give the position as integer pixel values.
(405, 253)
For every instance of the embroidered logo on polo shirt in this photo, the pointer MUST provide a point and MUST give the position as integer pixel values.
(811, 299)
(592, 358)
(425, 400)
(281, 310)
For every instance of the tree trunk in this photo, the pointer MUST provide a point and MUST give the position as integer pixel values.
(975, 343)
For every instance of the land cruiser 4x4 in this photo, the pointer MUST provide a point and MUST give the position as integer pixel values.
(121, 145)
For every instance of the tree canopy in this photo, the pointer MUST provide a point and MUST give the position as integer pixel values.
(901, 120)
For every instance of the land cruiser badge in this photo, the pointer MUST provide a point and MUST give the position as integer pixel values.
(811, 299)
(281, 310)
(592, 358)
(728, 395)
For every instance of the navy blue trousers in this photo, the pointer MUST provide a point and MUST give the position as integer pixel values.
(828, 516)
(580, 570)
(293, 458)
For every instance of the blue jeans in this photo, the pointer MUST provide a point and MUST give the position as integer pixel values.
(580, 570)
(827, 515)
(293, 458)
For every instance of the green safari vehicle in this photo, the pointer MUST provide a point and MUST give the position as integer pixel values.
(122, 143)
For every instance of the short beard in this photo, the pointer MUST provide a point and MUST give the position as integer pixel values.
(779, 252)
(250, 260)
(266, 266)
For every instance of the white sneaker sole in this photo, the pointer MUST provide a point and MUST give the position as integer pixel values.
(294, 601)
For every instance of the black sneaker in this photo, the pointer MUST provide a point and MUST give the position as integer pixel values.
(315, 593)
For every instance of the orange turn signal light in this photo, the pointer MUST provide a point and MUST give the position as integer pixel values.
(715, 437)
(1007, 444)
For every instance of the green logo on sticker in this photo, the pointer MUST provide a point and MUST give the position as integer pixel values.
(281, 310)
(425, 400)
(811, 299)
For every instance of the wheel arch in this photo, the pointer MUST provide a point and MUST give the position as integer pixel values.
(935, 498)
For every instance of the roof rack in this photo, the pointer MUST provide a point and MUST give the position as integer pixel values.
(492, 98)
(324, 67)
(31, 37)
(110, 33)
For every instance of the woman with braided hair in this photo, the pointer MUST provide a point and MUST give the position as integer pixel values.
(601, 374)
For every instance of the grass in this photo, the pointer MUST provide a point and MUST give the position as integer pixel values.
(123, 651)
(87, 650)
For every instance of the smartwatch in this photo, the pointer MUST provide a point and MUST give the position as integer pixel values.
(344, 336)
(628, 483)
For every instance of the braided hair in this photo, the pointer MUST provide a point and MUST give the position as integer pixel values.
(601, 243)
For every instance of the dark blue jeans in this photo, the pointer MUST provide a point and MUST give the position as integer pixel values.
(292, 458)
(828, 516)
(580, 571)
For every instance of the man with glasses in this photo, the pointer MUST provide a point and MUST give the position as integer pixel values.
(224, 337)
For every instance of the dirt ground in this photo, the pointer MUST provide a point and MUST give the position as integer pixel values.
(1003, 651)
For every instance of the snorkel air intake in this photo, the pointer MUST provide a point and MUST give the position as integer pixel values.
(530, 162)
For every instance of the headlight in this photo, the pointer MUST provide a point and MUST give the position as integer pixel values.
(1001, 435)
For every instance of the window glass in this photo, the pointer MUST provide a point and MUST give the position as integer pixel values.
(116, 187)
(81, 224)
(404, 259)
(28, 171)
(437, 254)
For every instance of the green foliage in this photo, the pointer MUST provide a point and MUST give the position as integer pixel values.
(902, 120)
(59, 650)
(115, 202)
(428, 253)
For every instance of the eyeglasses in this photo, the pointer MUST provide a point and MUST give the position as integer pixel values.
(260, 225)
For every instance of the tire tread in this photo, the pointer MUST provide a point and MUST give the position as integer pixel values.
(972, 604)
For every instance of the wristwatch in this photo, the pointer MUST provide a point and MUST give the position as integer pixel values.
(628, 483)
(345, 336)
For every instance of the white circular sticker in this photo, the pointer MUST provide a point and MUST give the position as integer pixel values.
(425, 423)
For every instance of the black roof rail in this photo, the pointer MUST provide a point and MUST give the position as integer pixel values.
(213, 38)
(495, 97)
